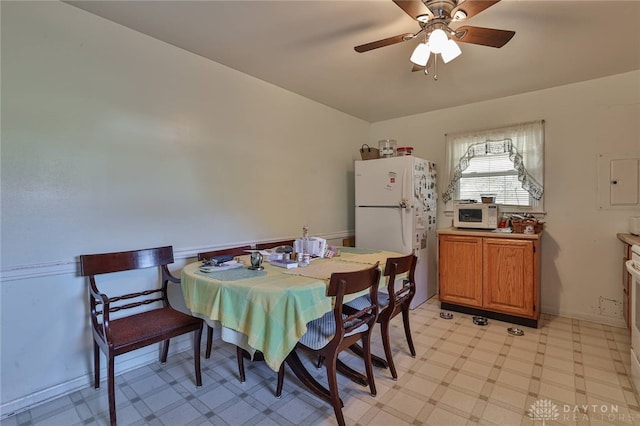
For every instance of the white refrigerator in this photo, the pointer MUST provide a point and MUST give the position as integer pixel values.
(395, 201)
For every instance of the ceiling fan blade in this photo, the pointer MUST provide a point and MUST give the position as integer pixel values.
(413, 8)
(484, 36)
(473, 7)
(384, 42)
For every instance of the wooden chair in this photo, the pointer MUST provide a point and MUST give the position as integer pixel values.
(396, 300)
(264, 246)
(206, 255)
(119, 334)
(339, 329)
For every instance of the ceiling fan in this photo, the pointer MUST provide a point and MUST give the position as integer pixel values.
(435, 17)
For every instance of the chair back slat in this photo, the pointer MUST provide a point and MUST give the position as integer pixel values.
(352, 322)
(95, 264)
(134, 295)
(354, 282)
(233, 251)
(274, 244)
(345, 283)
(134, 305)
(397, 266)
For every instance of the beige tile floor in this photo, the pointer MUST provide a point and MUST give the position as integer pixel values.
(566, 372)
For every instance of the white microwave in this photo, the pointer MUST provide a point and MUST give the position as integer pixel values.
(478, 215)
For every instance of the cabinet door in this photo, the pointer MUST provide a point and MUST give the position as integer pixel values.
(509, 276)
(460, 270)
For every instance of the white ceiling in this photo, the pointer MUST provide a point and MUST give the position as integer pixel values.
(307, 47)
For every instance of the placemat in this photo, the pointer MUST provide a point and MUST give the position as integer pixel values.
(233, 274)
(323, 270)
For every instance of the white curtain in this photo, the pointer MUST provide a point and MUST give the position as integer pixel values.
(524, 142)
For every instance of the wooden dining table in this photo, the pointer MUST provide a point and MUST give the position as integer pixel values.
(267, 310)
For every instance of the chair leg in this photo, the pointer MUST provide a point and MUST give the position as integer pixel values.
(207, 354)
(320, 361)
(280, 380)
(96, 365)
(366, 344)
(332, 381)
(240, 357)
(384, 329)
(197, 337)
(165, 351)
(407, 330)
(111, 389)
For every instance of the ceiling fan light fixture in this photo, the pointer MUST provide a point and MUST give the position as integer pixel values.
(459, 15)
(438, 40)
(450, 51)
(420, 55)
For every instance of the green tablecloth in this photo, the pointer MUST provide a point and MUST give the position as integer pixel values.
(270, 311)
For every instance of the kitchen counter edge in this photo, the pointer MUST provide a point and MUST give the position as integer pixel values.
(629, 238)
(486, 233)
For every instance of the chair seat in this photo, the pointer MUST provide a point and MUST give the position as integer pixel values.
(364, 301)
(150, 327)
(320, 331)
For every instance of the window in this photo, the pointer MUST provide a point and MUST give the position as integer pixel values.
(493, 174)
(507, 162)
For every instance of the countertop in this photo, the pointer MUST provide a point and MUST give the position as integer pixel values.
(629, 238)
(491, 234)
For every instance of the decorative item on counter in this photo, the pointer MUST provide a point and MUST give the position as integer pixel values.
(387, 148)
(368, 153)
(405, 150)
(526, 224)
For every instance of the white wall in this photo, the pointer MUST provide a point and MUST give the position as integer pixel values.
(581, 256)
(113, 141)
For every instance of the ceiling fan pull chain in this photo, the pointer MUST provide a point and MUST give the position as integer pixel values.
(435, 66)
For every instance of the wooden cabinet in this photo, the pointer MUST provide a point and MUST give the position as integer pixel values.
(460, 269)
(492, 275)
(509, 275)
